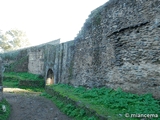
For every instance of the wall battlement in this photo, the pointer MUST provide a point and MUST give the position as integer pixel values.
(118, 46)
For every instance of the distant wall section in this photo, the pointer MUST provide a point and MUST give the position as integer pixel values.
(16, 61)
(36, 60)
(59, 58)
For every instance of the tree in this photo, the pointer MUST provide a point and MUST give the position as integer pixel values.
(13, 40)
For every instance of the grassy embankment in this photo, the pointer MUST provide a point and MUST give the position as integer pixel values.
(13, 79)
(114, 104)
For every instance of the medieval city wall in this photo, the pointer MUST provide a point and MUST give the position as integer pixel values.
(118, 46)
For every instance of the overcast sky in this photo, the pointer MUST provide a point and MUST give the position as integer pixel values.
(46, 20)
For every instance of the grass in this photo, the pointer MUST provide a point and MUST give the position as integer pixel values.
(112, 103)
(69, 109)
(11, 79)
(22, 76)
(33, 89)
(106, 102)
(4, 114)
(12, 83)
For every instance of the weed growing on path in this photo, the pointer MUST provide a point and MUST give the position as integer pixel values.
(4, 110)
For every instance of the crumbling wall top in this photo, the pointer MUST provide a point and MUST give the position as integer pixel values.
(119, 14)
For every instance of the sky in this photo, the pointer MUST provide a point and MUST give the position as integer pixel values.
(46, 20)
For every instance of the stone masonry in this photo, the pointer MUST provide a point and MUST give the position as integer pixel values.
(118, 47)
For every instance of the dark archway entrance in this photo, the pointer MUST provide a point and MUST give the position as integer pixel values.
(50, 77)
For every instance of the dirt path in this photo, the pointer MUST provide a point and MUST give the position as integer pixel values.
(31, 106)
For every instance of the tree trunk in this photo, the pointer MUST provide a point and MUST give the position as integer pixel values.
(1, 80)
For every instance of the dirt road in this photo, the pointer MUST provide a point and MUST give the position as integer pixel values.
(31, 106)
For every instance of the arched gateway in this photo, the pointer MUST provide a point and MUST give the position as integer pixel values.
(50, 77)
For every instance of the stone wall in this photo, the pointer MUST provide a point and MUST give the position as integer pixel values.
(39, 56)
(16, 61)
(59, 58)
(119, 46)
(36, 60)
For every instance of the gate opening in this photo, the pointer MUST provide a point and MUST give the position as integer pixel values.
(50, 77)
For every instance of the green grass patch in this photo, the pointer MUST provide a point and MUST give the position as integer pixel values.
(24, 80)
(22, 76)
(4, 114)
(109, 102)
(69, 109)
(11, 83)
(33, 89)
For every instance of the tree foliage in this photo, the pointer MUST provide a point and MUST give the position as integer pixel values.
(12, 40)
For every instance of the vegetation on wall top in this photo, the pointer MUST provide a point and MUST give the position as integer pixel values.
(12, 40)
